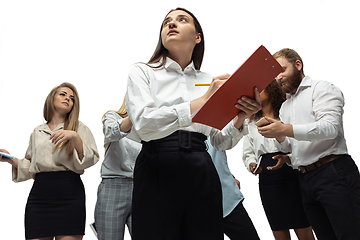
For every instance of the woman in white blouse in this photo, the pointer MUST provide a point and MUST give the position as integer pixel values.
(59, 151)
(177, 192)
(279, 189)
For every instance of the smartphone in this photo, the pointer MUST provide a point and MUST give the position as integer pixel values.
(7, 155)
(262, 122)
(257, 166)
(93, 227)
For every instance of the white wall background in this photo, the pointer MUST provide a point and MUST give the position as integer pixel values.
(92, 44)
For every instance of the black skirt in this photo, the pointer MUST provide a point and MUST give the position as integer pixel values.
(56, 206)
(280, 196)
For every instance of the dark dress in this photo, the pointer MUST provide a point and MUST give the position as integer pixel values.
(280, 195)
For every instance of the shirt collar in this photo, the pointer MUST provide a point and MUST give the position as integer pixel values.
(171, 64)
(45, 128)
(305, 83)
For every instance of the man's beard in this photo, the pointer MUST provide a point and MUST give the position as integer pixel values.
(293, 82)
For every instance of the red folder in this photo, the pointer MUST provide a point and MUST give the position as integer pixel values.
(259, 70)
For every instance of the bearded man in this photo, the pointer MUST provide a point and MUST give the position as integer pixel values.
(311, 127)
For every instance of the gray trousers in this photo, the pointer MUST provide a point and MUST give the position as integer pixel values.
(113, 208)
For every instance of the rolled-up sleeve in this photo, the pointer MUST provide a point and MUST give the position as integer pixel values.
(111, 127)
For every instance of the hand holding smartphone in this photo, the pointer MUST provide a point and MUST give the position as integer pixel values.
(7, 155)
(255, 167)
(262, 122)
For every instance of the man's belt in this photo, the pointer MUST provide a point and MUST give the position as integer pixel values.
(319, 163)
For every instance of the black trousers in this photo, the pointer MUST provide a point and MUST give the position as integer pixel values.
(331, 197)
(238, 225)
(177, 191)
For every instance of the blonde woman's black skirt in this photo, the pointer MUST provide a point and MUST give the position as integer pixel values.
(56, 206)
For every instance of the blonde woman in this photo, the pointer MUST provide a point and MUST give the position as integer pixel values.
(59, 151)
(114, 200)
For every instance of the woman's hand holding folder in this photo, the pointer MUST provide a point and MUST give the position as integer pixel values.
(248, 107)
(215, 85)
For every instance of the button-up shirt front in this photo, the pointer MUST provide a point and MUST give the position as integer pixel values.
(41, 157)
(315, 111)
(255, 145)
(158, 103)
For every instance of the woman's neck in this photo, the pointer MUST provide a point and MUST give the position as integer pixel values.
(181, 57)
(55, 121)
(267, 109)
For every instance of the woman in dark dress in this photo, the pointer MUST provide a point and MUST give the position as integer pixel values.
(279, 189)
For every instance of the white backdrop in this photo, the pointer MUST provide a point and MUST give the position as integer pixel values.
(92, 44)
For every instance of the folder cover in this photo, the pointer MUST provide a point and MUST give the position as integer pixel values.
(259, 70)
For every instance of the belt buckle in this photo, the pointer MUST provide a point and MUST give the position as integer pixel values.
(185, 140)
(302, 169)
